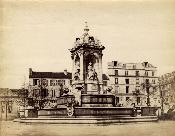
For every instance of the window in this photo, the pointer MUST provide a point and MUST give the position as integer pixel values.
(147, 81)
(124, 65)
(116, 89)
(126, 73)
(127, 81)
(152, 73)
(54, 82)
(137, 73)
(116, 72)
(35, 81)
(127, 89)
(138, 100)
(137, 89)
(44, 82)
(60, 82)
(116, 80)
(115, 63)
(137, 80)
(10, 107)
(53, 93)
(134, 66)
(3, 107)
(146, 73)
(153, 81)
(147, 90)
(51, 82)
(117, 100)
(127, 98)
(44, 92)
(148, 101)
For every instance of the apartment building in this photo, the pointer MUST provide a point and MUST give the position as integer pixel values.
(134, 83)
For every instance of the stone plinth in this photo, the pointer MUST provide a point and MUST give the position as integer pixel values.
(85, 111)
(64, 100)
(52, 112)
(93, 87)
(97, 100)
(102, 111)
(149, 111)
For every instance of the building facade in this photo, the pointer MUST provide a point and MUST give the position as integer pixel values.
(131, 83)
(47, 87)
(134, 83)
(12, 102)
(167, 88)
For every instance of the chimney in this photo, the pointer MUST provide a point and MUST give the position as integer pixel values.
(146, 63)
(65, 72)
(30, 71)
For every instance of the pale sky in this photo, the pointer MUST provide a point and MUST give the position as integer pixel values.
(38, 35)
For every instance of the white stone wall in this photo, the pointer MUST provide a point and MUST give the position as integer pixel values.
(53, 90)
(135, 82)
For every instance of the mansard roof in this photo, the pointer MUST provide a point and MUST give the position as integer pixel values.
(143, 65)
(57, 75)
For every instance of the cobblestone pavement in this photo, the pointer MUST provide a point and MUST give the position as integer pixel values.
(161, 128)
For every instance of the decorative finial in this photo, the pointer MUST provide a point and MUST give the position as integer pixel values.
(86, 29)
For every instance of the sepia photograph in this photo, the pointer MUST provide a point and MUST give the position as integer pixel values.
(87, 68)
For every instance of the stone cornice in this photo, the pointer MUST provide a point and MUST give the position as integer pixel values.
(86, 46)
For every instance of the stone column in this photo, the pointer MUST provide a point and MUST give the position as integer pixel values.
(100, 74)
(81, 66)
(100, 68)
(73, 67)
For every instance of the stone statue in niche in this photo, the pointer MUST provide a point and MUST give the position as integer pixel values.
(77, 64)
(90, 67)
(92, 74)
(77, 75)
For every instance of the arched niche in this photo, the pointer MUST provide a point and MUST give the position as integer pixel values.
(77, 61)
(91, 58)
(91, 64)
